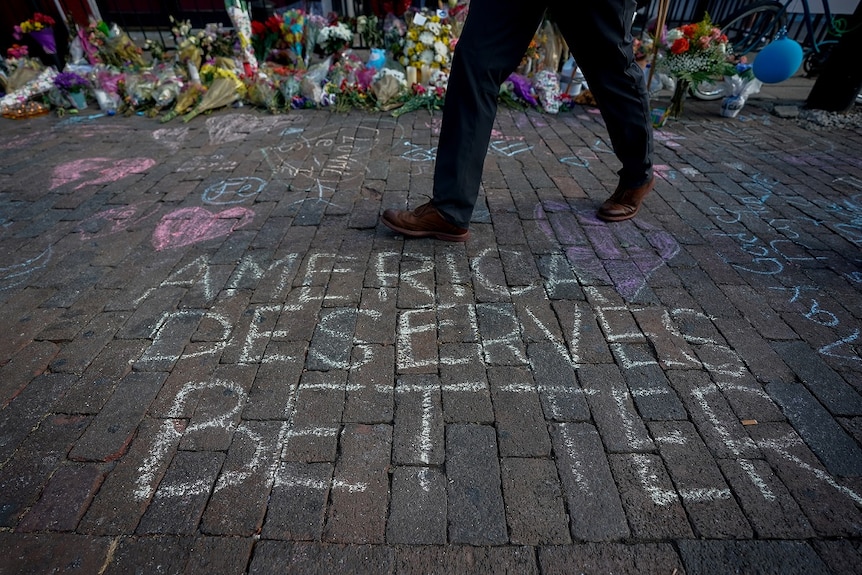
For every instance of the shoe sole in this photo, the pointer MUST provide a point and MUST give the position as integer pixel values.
(429, 234)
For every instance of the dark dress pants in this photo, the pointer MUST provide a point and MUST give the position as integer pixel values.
(492, 44)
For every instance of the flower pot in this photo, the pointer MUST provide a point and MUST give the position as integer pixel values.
(78, 100)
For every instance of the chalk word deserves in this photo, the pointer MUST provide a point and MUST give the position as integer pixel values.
(678, 340)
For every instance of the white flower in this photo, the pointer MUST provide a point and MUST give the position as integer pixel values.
(427, 56)
(441, 48)
(433, 27)
(426, 38)
(674, 35)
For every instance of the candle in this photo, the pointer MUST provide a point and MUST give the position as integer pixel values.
(411, 75)
(426, 74)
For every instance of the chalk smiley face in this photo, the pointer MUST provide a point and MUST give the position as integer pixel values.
(622, 254)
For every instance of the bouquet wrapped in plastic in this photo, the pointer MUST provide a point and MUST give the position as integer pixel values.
(41, 83)
(239, 14)
(222, 92)
(262, 90)
(738, 90)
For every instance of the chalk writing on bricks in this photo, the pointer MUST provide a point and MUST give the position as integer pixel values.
(233, 190)
(497, 329)
(192, 225)
(17, 273)
(112, 221)
(236, 127)
(341, 161)
(98, 170)
(622, 255)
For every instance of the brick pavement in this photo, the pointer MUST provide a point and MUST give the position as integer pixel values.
(216, 361)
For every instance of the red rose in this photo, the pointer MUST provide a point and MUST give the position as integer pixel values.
(680, 46)
(258, 28)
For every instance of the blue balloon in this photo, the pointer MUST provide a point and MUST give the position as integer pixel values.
(778, 61)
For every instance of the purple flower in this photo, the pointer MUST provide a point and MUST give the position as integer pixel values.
(523, 89)
(70, 82)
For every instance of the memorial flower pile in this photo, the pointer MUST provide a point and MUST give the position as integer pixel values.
(396, 60)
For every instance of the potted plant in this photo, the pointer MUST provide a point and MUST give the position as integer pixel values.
(73, 86)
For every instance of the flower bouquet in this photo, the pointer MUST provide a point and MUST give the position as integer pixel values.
(394, 31)
(73, 86)
(314, 23)
(16, 99)
(335, 38)
(428, 43)
(293, 33)
(41, 28)
(223, 89)
(740, 83)
(120, 50)
(262, 88)
(19, 68)
(370, 30)
(239, 14)
(265, 37)
(420, 98)
(106, 88)
(695, 53)
(189, 52)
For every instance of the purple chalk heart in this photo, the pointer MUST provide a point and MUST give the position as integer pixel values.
(622, 254)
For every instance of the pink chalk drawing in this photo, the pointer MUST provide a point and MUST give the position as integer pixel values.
(622, 254)
(112, 221)
(19, 142)
(104, 170)
(189, 226)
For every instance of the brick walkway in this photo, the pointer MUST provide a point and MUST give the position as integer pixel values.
(216, 361)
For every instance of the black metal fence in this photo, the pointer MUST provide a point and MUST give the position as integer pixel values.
(685, 11)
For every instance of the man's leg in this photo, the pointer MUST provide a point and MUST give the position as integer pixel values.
(492, 44)
(599, 35)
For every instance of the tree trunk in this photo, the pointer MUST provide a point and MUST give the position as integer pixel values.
(840, 81)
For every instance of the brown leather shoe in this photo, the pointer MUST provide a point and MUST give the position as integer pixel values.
(424, 222)
(625, 202)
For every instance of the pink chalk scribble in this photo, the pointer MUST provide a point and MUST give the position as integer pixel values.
(112, 221)
(102, 170)
(189, 226)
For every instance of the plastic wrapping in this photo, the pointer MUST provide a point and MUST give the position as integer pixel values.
(739, 89)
